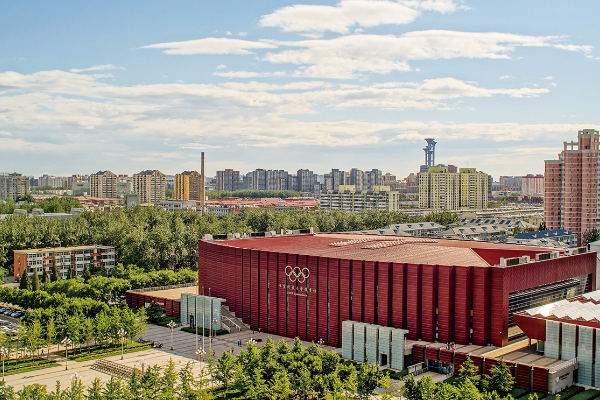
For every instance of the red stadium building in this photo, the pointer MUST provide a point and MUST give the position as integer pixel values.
(439, 290)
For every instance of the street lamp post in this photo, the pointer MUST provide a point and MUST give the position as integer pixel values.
(171, 325)
(66, 342)
(4, 354)
(321, 341)
(122, 334)
(143, 364)
(200, 355)
(75, 378)
(213, 322)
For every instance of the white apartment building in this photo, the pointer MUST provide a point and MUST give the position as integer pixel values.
(349, 199)
(75, 258)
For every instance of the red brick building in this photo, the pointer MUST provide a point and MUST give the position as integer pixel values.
(439, 290)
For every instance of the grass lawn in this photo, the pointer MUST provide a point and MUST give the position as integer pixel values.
(164, 321)
(12, 367)
(94, 352)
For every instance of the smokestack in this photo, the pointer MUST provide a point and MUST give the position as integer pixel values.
(203, 186)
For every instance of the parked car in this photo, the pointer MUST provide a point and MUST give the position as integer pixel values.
(18, 314)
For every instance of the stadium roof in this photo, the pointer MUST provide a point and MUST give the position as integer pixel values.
(396, 249)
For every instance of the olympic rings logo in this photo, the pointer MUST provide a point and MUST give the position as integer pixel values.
(297, 274)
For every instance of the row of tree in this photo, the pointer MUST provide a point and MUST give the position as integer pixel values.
(283, 372)
(152, 238)
(105, 288)
(45, 328)
(469, 385)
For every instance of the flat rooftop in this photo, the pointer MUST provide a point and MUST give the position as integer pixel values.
(413, 250)
(173, 294)
(62, 249)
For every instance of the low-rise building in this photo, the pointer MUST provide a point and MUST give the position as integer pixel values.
(349, 199)
(551, 237)
(487, 233)
(75, 258)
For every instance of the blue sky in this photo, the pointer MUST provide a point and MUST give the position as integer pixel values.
(128, 86)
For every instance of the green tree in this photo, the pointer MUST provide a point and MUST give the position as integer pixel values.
(50, 335)
(590, 236)
(410, 389)
(24, 283)
(70, 274)
(542, 226)
(114, 389)
(501, 379)
(86, 274)
(35, 281)
(223, 370)
(368, 379)
(54, 271)
(153, 312)
(469, 371)
(44, 279)
(387, 385)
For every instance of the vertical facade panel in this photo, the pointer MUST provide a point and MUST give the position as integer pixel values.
(369, 292)
(357, 291)
(322, 300)
(523, 376)
(282, 289)
(237, 306)
(413, 301)
(429, 303)
(273, 299)
(446, 301)
(301, 298)
(254, 289)
(462, 316)
(481, 306)
(398, 296)
(246, 310)
(292, 261)
(333, 335)
(499, 307)
(383, 294)
(344, 292)
(263, 282)
(312, 299)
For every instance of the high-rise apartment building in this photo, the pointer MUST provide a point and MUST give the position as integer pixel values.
(532, 185)
(306, 180)
(149, 186)
(188, 186)
(13, 185)
(103, 184)
(440, 189)
(228, 180)
(349, 199)
(571, 185)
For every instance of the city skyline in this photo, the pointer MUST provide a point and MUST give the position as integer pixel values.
(288, 85)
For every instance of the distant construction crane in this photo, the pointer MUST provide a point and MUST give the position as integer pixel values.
(430, 152)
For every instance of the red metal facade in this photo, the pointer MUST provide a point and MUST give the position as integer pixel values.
(441, 303)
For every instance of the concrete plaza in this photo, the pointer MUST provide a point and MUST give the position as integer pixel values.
(184, 348)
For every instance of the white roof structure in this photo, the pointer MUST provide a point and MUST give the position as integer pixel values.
(585, 307)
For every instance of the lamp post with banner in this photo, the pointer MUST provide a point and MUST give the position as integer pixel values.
(171, 325)
(4, 352)
(121, 333)
(66, 342)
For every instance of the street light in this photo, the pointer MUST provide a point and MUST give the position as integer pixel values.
(122, 334)
(171, 325)
(214, 322)
(321, 341)
(251, 341)
(66, 342)
(75, 378)
(200, 354)
(143, 364)
(4, 352)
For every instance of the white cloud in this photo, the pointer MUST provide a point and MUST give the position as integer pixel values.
(319, 18)
(248, 74)
(199, 146)
(549, 78)
(242, 34)
(210, 46)
(350, 13)
(506, 77)
(347, 56)
(106, 67)
(221, 66)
